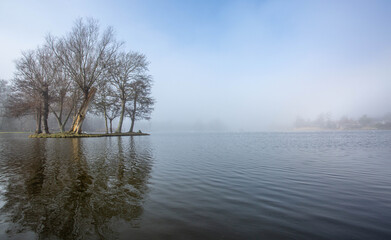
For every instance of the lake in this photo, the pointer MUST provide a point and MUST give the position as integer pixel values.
(293, 185)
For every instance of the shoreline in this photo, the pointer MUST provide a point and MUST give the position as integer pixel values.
(85, 135)
(317, 129)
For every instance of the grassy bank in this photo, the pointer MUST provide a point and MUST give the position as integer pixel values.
(84, 135)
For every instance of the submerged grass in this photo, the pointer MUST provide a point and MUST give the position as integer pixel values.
(84, 135)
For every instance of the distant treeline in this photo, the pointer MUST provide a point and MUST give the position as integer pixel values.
(324, 121)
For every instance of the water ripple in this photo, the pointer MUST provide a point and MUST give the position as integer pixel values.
(329, 185)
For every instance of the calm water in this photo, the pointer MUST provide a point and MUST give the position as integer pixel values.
(330, 185)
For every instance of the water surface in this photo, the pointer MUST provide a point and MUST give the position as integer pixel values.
(325, 185)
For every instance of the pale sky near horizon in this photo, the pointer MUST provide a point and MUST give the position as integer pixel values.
(234, 65)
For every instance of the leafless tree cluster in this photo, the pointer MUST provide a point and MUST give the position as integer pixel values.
(64, 75)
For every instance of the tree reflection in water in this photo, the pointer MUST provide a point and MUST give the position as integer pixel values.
(77, 188)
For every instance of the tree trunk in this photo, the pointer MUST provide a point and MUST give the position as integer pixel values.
(133, 117)
(66, 119)
(45, 113)
(132, 124)
(121, 118)
(38, 129)
(62, 128)
(60, 124)
(111, 125)
(81, 114)
(104, 113)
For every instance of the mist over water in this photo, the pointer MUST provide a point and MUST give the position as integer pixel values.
(234, 65)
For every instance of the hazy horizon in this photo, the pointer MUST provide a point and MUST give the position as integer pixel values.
(234, 65)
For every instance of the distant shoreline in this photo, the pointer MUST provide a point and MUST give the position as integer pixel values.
(310, 129)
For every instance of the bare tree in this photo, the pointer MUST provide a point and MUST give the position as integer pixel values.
(141, 104)
(102, 102)
(36, 70)
(64, 97)
(3, 98)
(3, 95)
(125, 69)
(22, 101)
(3, 89)
(64, 75)
(113, 111)
(107, 103)
(85, 54)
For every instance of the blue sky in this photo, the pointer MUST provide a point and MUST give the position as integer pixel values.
(242, 65)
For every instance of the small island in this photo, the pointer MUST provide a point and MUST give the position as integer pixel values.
(85, 135)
